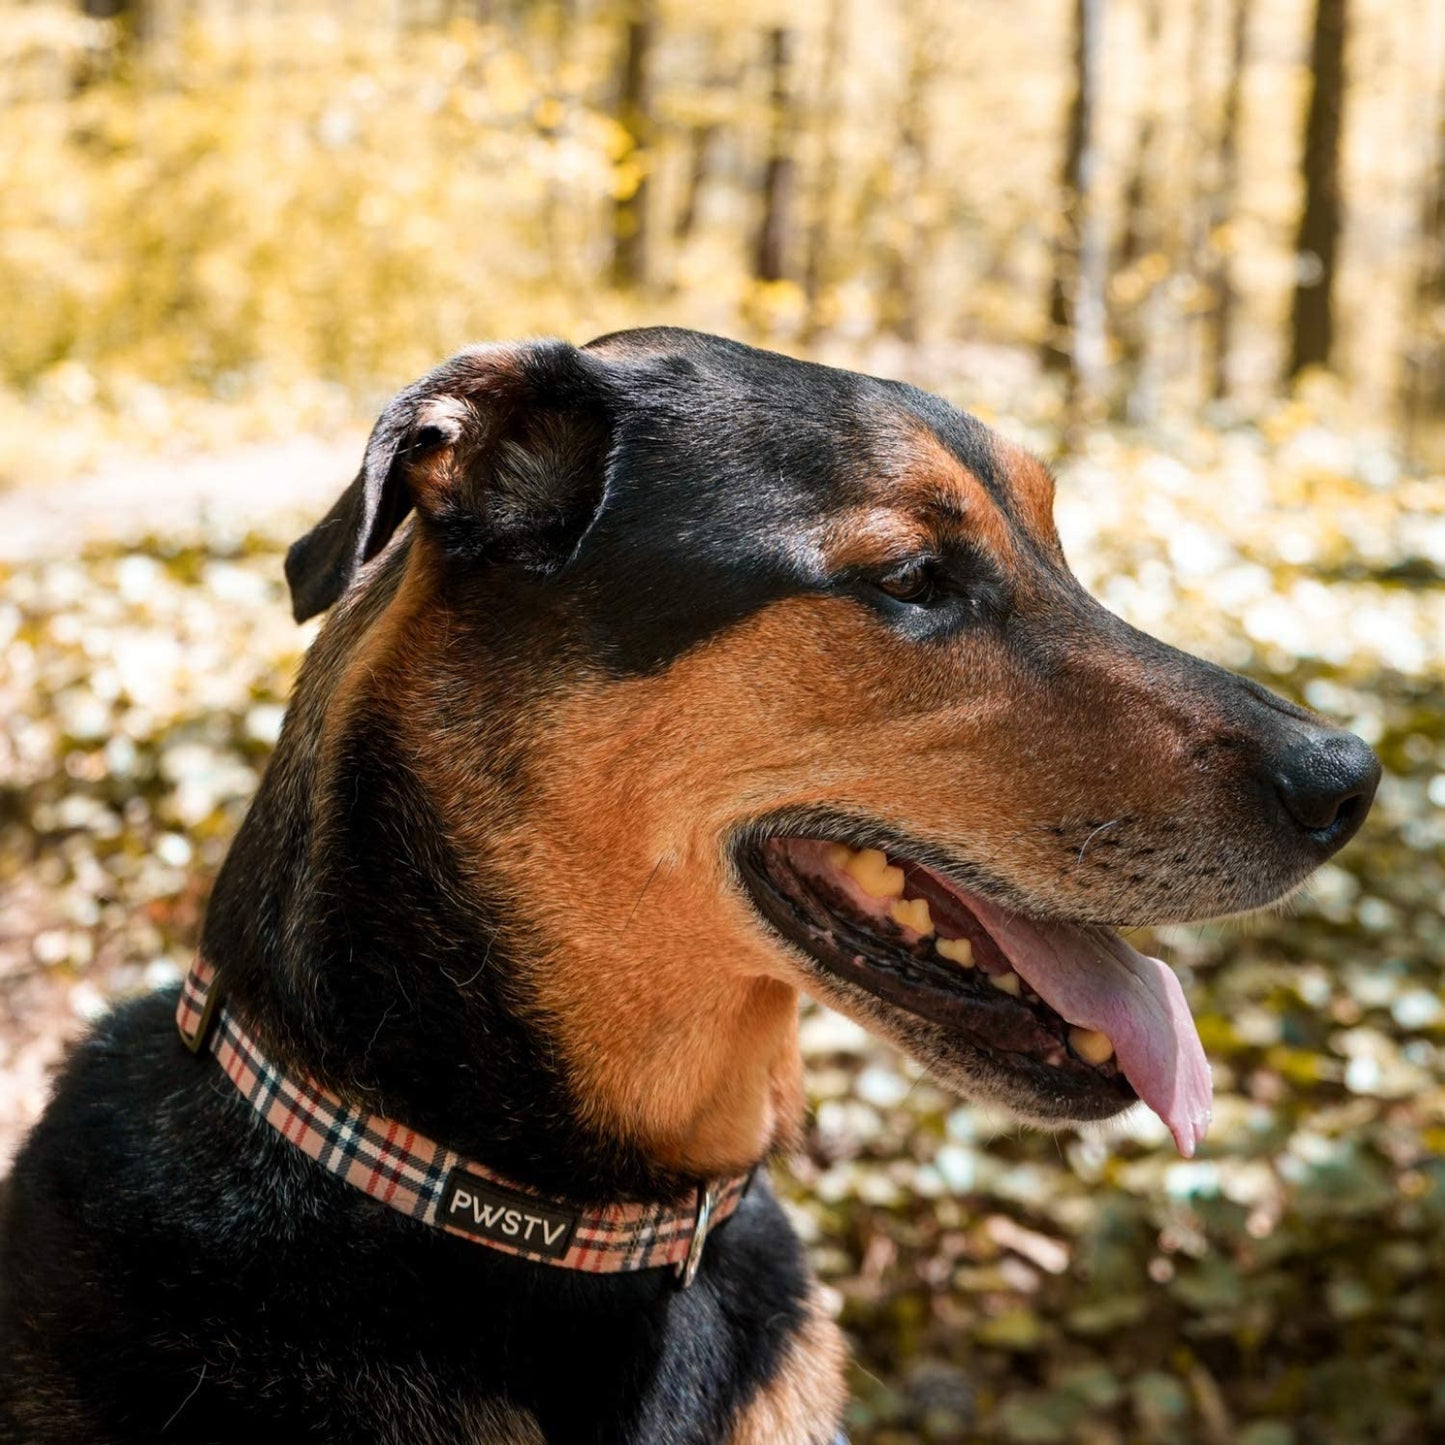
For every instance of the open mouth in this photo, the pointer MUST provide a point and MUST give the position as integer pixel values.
(1077, 1022)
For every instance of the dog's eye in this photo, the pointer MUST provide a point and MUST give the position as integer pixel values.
(916, 581)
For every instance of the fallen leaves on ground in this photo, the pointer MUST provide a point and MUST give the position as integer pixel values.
(1284, 1288)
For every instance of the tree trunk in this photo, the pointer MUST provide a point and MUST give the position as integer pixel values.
(1076, 340)
(134, 23)
(629, 213)
(1222, 238)
(130, 13)
(1424, 363)
(700, 145)
(829, 115)
(771, 251)
(1066, 241)
(909, 179)
(1137, 276)
(1312, 317)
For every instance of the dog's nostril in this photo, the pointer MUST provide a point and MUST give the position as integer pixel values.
(1328, 782)
(1351, 813)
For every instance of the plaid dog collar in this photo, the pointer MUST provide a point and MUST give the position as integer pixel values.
(424, 1180)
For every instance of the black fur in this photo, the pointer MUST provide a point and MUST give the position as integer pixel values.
(179, 1272)
(169, 1268)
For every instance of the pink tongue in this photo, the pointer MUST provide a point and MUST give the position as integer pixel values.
(1092, 977)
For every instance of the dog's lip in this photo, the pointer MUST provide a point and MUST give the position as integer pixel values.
(1001, 1028)
(1083, 973)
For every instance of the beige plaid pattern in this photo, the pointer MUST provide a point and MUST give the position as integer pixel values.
(408, 1172)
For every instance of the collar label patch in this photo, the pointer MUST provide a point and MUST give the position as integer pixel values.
(475, 1206)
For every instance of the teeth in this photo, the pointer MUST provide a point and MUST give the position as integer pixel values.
(955, 950)
(871, 871)
(912, 913)
(1091, 1046)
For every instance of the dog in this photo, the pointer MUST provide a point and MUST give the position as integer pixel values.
(665, 679)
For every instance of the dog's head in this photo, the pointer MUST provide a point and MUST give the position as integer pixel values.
(726, 676)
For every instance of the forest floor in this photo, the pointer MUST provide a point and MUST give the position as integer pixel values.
(1287, 1287)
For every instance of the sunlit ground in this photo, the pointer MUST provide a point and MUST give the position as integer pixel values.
(291, 216)
(1285, 1286)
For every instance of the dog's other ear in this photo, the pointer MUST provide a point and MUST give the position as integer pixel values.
(503, 449)
(320, 565)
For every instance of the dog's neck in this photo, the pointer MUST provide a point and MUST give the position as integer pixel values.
(352, 933)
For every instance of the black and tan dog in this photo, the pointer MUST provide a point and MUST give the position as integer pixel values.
(700, 677)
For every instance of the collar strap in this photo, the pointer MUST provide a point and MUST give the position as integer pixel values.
(428, 1182)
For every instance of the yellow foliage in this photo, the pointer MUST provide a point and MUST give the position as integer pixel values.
(292, 209)
(350, 212)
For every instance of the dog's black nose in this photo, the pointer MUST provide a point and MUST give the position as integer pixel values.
(1327, 782)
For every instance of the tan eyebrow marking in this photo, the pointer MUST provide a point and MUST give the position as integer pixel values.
(920, 498)
(1033, 484)
(874, 536)
(953, 500)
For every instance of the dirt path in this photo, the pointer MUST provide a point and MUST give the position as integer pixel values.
(182, 496)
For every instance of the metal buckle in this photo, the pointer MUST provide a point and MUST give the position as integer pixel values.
(706, 1202)
(196, 1041)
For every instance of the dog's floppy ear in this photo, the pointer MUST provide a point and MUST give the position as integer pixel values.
(502, 449)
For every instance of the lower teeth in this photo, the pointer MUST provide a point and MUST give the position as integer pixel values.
(1091, 1046)
(872, 871)
(955, 950)
(913, 913)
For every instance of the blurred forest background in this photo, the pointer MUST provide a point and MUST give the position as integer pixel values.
(1194, 253)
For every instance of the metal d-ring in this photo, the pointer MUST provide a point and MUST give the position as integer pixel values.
(706, 1203)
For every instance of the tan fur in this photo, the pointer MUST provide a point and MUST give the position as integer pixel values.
(803, 1402)
(672, 1005)
(1032, 485)
(921, 499)
(502, 1424)
(382, 647)
(940, 488)
(809, 702)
